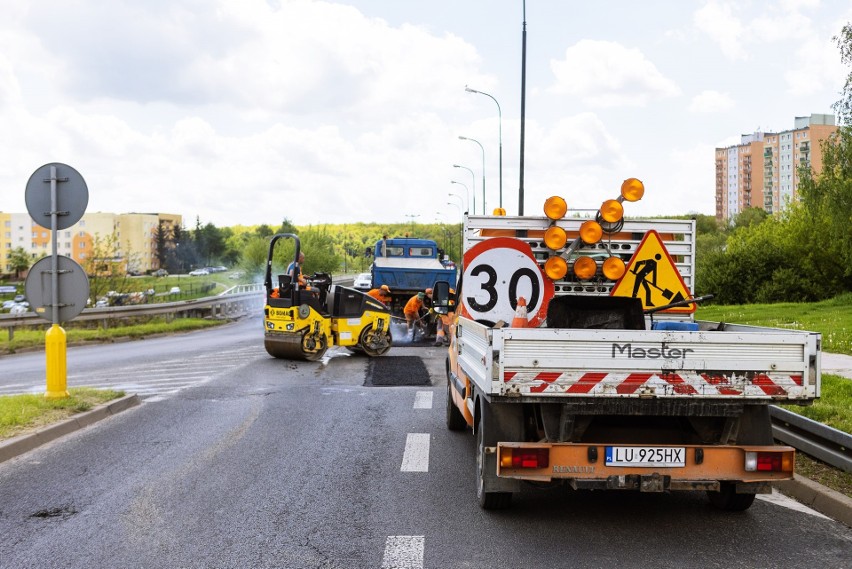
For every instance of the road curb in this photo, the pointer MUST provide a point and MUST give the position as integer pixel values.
(824, 500)
(25, 443)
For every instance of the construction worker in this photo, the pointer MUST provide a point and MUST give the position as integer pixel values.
(412, 312)
(382, 294)
(442, 334)
(291, 270)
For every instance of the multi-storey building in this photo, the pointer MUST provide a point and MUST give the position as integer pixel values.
(763, 170)
(129, 237)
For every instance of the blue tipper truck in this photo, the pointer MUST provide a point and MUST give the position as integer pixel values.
(408, 266)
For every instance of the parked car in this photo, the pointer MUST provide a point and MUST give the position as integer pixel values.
(160, 273)
(364, 281)
(199, 272)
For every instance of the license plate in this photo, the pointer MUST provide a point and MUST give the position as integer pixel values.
(648, 457)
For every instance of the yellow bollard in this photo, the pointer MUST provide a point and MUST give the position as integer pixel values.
(54, 347)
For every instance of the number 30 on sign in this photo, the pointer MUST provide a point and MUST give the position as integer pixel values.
(497, 272)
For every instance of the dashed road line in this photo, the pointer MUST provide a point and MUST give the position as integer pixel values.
(423, 400)
(416, 455)
(404, 552)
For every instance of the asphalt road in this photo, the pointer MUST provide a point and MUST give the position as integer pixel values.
(257, 462)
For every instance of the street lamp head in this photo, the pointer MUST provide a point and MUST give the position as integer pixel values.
(469, 90)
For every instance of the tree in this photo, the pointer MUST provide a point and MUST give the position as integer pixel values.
(107, 265)
(19, 261)
(827, 197)
(163, 241)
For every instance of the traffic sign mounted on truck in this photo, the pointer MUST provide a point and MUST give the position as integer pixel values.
(497, 273)
(653, 278)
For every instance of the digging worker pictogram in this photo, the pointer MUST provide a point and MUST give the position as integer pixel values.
(646, 276)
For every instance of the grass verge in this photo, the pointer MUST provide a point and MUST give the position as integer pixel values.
(831, 318)
(33, 337)
(822, 473)
(22, 414)
(834, 407)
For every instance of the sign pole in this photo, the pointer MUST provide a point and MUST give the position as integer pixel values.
(55, 342)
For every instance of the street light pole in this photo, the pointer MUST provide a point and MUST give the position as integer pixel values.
(472, 185)
(466, 194)
(412, 216)
(483, 168)
(500, 133)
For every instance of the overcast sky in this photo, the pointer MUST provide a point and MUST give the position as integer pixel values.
(252, 111)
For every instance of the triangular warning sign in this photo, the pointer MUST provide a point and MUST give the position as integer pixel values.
(653, 278)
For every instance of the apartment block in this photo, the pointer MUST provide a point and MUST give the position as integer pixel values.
(134, 236)
(762, 171)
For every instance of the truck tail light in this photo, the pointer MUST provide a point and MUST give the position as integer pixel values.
(769, 461)
(524, 458)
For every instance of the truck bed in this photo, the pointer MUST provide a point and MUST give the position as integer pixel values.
(718, 362)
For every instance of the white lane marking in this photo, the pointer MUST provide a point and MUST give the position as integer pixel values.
(416, 455)
(403, 552)
(423, 400)
(781, 500)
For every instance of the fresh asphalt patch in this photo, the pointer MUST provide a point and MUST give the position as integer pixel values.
(395, 371)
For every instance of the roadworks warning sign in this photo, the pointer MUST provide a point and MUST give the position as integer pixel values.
(652, 277)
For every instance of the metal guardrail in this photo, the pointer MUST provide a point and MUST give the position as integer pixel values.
(237, 300)
(829, 445)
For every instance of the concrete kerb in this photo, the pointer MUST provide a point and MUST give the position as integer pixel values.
(824, 500)
(25, 443)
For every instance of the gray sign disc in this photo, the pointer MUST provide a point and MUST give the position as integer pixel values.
(73, 285)
(72, 196)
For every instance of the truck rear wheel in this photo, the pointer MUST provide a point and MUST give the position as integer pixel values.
(487, 500)
(727, 498)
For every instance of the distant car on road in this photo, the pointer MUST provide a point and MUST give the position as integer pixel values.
(364, 281)
(160, 273)
(199, 272)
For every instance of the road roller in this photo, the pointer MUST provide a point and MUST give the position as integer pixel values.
(306, 315)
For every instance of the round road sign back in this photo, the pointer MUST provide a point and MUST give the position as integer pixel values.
(73, 285)
(72, 195)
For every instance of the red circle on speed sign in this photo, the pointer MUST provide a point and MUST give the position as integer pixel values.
(497, 272)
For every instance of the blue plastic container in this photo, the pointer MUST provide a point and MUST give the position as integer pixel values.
(676, 326)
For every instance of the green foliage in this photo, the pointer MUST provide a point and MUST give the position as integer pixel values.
(19, 261)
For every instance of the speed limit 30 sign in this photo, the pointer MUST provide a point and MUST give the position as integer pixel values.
(497, 272)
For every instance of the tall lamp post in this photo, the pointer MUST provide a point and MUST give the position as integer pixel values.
(483, 167)
(466, 195)
(412, 216)
(472, 185)
(461, 230)
(500, 134)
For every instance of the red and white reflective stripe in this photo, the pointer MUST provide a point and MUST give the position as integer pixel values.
(677, 384)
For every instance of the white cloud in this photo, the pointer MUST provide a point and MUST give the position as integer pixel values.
(718, 20)
(816, 68)
(711, 102)
(607, 74)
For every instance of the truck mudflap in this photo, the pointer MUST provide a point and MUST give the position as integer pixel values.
(647, 468)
